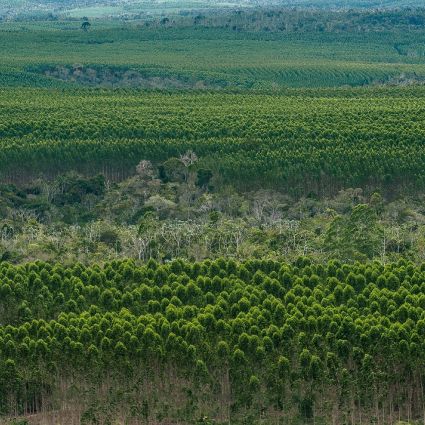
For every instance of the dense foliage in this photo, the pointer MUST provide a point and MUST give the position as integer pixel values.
(187, 213)
(159, 204)
(220, 339)
(268, 49)
(305, 141)
(302, 141)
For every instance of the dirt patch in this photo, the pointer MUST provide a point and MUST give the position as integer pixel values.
(111, 77)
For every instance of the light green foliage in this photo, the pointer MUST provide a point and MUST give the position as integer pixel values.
(155, 332)
(76, 218)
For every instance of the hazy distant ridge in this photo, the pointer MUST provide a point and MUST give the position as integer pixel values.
(52, 4)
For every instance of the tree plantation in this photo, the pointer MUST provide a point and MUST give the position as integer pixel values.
(301, 142)
(212, 212)
(220, 339)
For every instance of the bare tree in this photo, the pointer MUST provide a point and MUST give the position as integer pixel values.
(24, 216)
(140, 241)
(189, 158)
(49, 189)
(145, 169)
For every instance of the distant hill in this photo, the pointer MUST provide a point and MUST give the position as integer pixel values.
(185, 3)
(352, 3)
(101, 8)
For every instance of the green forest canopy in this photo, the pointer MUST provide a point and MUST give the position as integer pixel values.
(299, 141)
(303, 106)
(223, 340)
(317, 140)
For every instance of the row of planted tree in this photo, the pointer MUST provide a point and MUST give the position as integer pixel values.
(299, 141)
(233, 342)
